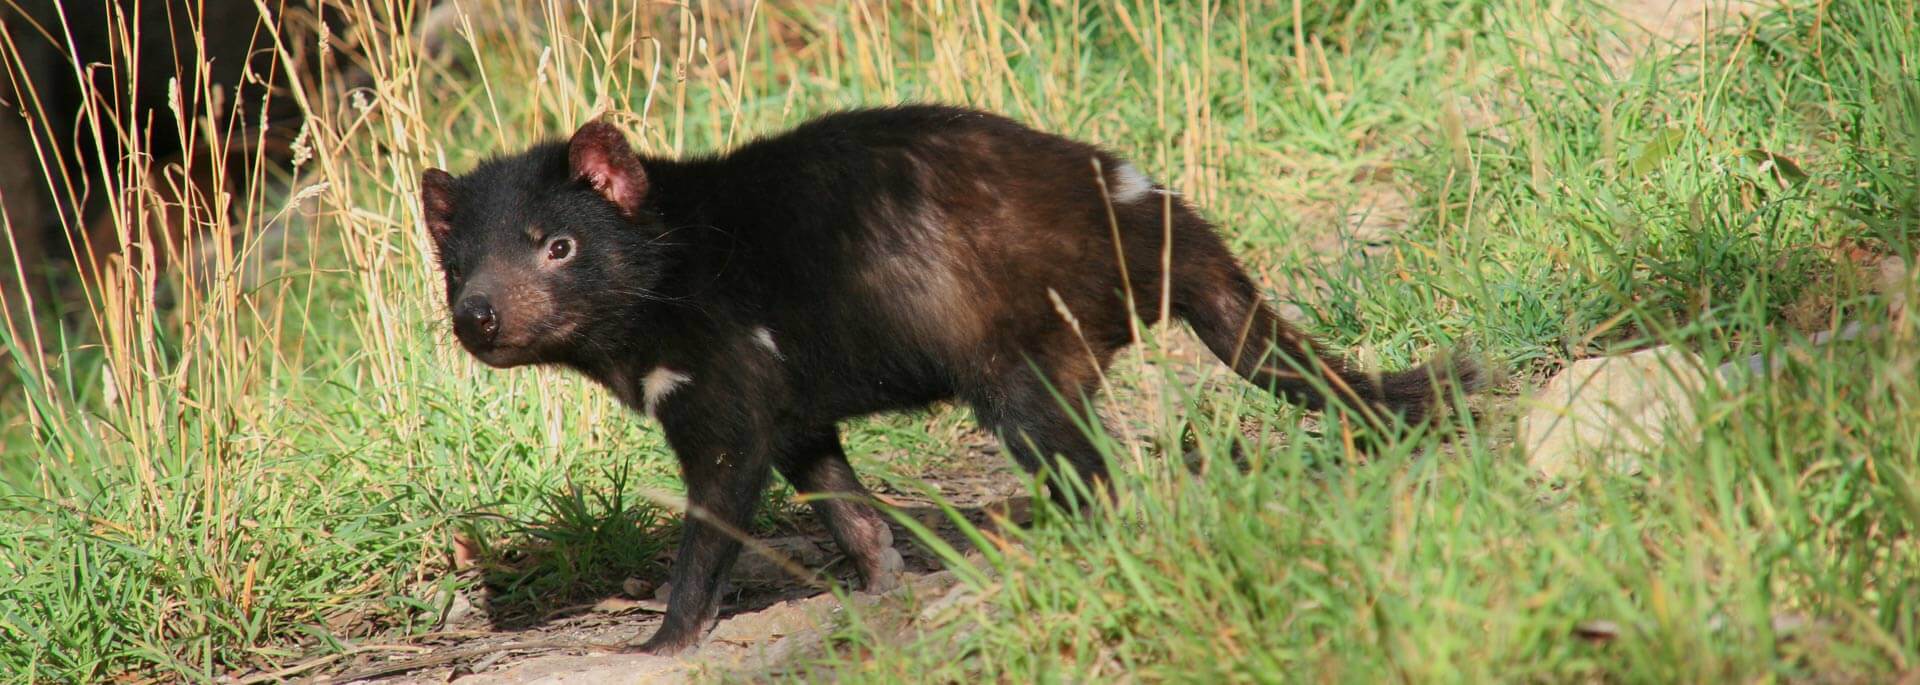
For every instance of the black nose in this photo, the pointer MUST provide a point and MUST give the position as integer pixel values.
(474, 321)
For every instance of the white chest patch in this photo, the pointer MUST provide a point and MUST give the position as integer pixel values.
(659, 383)
(764, 338)
(1129, 185)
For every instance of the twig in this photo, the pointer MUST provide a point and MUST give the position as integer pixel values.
(310, 664)
(444, 658)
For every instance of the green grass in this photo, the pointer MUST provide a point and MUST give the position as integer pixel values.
(281, 466)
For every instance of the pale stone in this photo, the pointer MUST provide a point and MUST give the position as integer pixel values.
(1895, 280)
(1612, 411)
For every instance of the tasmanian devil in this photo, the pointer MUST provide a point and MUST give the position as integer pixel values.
(866, 261)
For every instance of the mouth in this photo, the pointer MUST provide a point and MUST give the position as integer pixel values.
(519, 345)
(499, 355)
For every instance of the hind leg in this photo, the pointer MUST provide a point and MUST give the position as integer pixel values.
(816, 465)
(1039, 421)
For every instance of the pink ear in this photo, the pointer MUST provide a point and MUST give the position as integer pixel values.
(436, 203)
(600, 155)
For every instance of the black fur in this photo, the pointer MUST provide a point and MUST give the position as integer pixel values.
(894, 257)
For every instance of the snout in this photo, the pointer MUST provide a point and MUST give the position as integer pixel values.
(475, 322)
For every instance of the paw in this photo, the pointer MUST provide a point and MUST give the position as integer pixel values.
(885, 577)
(671, 639)
(661, 644)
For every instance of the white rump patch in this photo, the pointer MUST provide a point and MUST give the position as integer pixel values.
(764, 338)
(1129, 184)
(659, 383)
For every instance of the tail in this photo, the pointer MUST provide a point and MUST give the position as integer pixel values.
(1217, 299)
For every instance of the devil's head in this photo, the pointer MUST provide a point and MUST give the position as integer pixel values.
(545, 249)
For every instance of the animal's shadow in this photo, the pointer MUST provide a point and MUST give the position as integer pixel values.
(589, 551)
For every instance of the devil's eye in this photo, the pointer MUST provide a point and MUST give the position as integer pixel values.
(559, 249)
(453, 273)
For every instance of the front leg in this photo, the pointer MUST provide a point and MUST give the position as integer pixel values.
(725, 465)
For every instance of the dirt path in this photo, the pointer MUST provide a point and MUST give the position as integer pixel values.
(770, 618)
(743, 644)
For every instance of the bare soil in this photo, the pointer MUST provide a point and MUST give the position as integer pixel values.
(772, 615)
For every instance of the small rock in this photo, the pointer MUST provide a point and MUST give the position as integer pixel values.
(459, 610)
(1893, 274)
(1611, 409)
(637, 588)
(1895, 280)
(455, 607)
(1292, 313)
